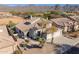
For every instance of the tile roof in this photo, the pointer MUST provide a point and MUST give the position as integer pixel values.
(23, 27)
(76, 18)
(60, 21)
(34, 22)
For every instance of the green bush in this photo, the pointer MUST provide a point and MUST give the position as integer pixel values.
(56, 12)
(17, 52)
(11, 24)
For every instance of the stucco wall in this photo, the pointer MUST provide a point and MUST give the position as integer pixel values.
(49, 37)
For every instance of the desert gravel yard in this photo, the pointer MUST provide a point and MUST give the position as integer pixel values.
(47, 49)
(14, 19)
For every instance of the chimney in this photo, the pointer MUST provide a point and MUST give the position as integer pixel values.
(31, 17)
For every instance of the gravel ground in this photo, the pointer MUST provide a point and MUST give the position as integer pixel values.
(47, 49)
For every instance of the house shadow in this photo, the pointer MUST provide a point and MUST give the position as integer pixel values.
(67, 49)
(33, 46)
(73, 50)
(30, 46)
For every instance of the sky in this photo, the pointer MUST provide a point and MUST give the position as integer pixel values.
(32, 4)
(39, 1)
(13, 5)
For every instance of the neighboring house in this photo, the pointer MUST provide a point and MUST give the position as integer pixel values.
(76, 18)
(7, 44)
(76, 26)
(65, 43)
(76, 23)
(66, 24)
(59, 22)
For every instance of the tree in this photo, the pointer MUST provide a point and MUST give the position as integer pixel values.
(53, 29)
(46, 15)
(15, 13)
(11, 24)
